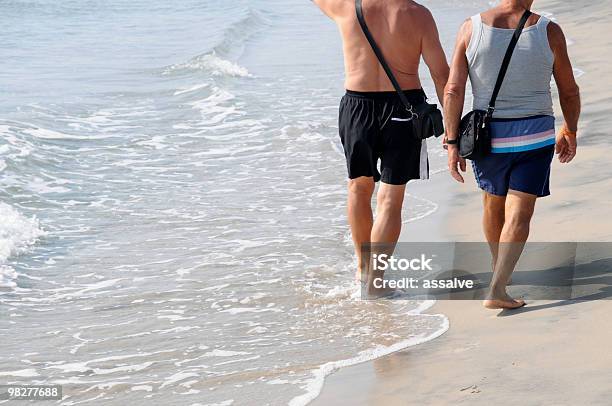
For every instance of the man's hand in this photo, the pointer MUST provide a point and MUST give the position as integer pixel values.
(566, 145)
(455, 162)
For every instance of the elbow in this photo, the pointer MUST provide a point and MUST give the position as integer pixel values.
(454, 91)
(570, 97)
(574, 93)
(569, 93)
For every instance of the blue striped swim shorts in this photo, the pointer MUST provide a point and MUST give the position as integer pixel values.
(521, 154)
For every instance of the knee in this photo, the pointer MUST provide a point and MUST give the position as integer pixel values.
(361, 187)
(494, 206)
(519, 219)
(389, 204)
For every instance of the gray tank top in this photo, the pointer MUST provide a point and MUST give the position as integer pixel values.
(526, 88)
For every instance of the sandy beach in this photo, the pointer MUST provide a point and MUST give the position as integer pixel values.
(550, 352)
(547, 353)
(532, 356)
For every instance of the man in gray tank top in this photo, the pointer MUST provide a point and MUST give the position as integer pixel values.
(517, 170)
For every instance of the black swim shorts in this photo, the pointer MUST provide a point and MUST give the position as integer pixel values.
(376, 126)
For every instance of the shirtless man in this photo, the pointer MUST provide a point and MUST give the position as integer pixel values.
(373, 123)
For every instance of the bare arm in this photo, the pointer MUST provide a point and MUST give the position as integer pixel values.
(454, 98)
(569, 94)
(455, 88)
(434, 56)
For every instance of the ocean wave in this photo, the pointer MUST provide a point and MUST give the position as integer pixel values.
(17, 234)
(239, 32)
(210, 63)
(219, 60)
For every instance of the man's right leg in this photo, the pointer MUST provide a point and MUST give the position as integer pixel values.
(493, 222)
(388, 225)
(386, 230)
(519, 211)
(360, 217)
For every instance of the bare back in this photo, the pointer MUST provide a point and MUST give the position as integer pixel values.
(399, 27)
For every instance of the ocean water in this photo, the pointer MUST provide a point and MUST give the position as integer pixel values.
(172, 203)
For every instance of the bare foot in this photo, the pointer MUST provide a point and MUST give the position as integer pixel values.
(372, 292)
(505, 303)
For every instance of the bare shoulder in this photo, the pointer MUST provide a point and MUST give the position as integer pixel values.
(556, 38)
(421, 13)
(466, 26)
(335, 8)
(465, 33)
(420, 16)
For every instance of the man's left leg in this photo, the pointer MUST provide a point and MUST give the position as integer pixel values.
(359, 206)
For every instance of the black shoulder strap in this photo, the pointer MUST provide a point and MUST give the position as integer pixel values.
(506, 62)
(379, 55)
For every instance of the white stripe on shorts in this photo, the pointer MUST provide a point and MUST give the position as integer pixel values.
(424, 173)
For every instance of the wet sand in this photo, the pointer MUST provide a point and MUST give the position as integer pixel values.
(550, 352)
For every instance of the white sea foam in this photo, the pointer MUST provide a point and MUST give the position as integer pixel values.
(212, 64)
(179, 376)
(126, 368)
(228, 402)
(39, 185)
(222, 353)
(17, 234)
(146, 388)
(22, 373)
(44, 133)
(238, 310)
(191, 89)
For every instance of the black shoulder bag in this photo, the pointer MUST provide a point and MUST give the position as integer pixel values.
(474, 130)
(426, 118)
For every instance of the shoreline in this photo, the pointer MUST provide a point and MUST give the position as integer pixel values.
(532, 355)
(315, 386)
